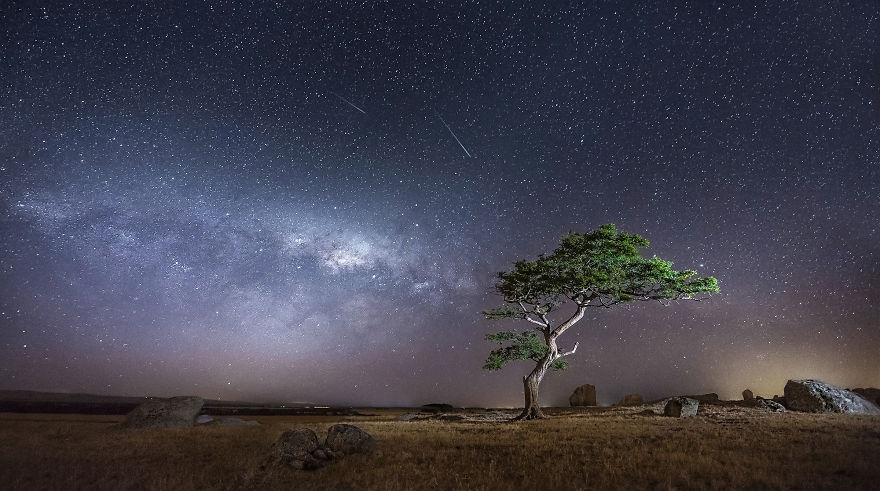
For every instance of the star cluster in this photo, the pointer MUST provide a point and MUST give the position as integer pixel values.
(307, 201)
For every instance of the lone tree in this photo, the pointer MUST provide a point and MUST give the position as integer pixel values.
(598, 269)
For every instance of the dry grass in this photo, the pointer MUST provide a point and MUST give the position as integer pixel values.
(724, 447)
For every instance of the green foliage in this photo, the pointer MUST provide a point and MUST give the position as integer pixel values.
(508, 310)
(603, 267)
(522, 346)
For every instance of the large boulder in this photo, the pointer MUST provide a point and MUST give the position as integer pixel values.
(165, 413)
(870, 394)
(585, 395)
(814, 396)
(348, 439)
(298, 448)
(748, 395)
(681, 407)
(631, 400)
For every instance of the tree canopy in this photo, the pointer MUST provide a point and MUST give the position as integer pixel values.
(598, 269)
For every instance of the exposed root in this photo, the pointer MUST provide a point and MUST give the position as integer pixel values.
(530, 414)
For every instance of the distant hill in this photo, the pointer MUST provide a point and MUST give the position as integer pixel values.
(28, 401)
(34, 396)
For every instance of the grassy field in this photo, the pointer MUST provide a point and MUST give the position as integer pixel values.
(725, 446)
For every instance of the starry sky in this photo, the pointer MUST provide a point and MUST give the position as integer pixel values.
(308, 201)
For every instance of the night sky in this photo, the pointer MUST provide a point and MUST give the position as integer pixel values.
(306, 202)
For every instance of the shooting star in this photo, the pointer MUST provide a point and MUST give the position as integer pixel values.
(453, 136)
(349, 102)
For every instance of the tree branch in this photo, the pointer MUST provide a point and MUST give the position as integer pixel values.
(545, 319)
(526, 313)
(533, 321)
(578, 315)
(569, 352)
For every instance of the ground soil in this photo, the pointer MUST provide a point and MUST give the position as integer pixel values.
(725, 446)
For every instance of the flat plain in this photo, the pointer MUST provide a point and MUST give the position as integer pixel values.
(725, 446)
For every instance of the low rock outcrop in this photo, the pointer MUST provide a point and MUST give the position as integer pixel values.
(585, 395)
(631, 400)
(232, 421)
(438, 408)
(814, 396)
(681, 407)
(165, 413)
(710, 397)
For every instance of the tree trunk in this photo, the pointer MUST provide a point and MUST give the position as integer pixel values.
(532, 409)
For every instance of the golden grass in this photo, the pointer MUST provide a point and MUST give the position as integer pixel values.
(724, 447)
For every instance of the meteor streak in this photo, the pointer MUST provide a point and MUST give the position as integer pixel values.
(453, 136)
(349, 102)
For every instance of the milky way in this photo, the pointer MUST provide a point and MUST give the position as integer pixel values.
(262, 202)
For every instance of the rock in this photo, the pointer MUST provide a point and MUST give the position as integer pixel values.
(814, 396)
(408, 417)
(748, 396)
(710, 397)
(681, 407)
(451, 417)
(297, 443)
(585, 395)
(870, 394)
(770, 405)
(438, 408)
(204, 419)
(631, 400)
(347, 439)
(165, 413)
(298, 448)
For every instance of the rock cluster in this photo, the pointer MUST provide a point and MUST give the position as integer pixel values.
(769, 405)
(779, 400)
(299, 447)
(165, 413)
(681, 407)
(814, 396)
(585, 395)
